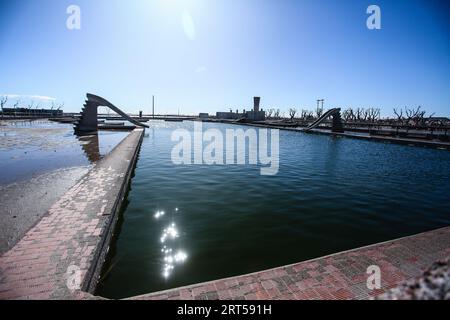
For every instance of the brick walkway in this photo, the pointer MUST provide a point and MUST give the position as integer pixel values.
(75, 232)
(340, 276)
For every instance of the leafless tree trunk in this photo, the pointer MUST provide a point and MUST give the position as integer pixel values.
(373, 114)
(277, 114)
(319, 112)
(359, 114)
(292, 113)
(399, 114)
(3, 101)
(348, 115)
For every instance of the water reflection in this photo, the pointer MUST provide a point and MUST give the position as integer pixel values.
(90, 146)
(168, 239)
(159, 214)
(170, 261)
(170, 232)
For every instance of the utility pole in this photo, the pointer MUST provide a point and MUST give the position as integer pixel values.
(153, 107)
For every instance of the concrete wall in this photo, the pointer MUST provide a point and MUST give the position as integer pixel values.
(256, 115)
(229, 115)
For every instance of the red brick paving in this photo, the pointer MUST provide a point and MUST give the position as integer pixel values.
(71, 234)
(341, 276)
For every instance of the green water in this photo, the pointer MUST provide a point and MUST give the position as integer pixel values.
(331, 194)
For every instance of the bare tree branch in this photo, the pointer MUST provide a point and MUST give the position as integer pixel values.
(292, 113)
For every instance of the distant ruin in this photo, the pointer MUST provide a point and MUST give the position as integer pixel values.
(88, 121)
(257, 114)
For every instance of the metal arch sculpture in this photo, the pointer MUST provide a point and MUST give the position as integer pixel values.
(88, 121)
(337, 121)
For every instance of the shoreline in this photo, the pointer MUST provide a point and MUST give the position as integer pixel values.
(368, 136)
(26, 202)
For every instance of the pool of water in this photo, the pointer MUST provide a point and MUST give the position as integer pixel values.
(30, 148)
(185, 224)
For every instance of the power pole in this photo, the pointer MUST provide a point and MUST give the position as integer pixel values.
(153, 107)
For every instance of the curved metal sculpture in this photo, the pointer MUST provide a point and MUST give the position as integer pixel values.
(88, 121)
(337, 121)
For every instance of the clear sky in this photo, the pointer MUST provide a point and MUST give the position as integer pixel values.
(211, 55)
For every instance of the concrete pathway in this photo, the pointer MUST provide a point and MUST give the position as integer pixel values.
(64, 252)
(341, 276)
(25, 203)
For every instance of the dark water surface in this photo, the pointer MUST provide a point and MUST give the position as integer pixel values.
(331, 194)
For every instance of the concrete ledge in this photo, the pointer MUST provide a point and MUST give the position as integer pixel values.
(62, 256)
(404, 141)
(103, 248)
(340, 276)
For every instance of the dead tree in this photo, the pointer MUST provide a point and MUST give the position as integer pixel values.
(416, 117)
(277, 114)
(348, 115)
(292, 113)
(435, 122)
(399, 114)
(319, 112)
(306, 115)
(30, 106)
(270, 113)
(3, 101)
(359, 114)
(412, 115)
(373, 114)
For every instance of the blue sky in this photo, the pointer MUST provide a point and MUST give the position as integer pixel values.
(210, 55)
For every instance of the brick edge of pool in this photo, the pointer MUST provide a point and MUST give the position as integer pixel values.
(340, 276)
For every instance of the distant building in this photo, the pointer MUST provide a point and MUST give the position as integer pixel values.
(43, 113)
(256, 103)
(256, 114)
(442, 119)
(203, 115)
(229, 115)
